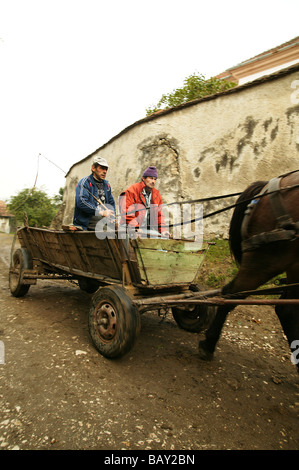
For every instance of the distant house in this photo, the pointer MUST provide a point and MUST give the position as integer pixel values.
(267, 62)
(6, 219)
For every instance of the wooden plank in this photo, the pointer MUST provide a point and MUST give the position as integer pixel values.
(100, 257)
(164, 301)
(168, 261)
(168, 267)
(115, 256)
(81, 249)
(152, 262)
(167, 244)
(49, 245)
(77, 272)
(60, 249)
(27, 241)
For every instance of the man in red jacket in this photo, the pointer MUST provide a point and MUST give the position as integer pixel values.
(141, 206)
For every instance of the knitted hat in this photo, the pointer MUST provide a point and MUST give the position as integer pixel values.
(151, 171)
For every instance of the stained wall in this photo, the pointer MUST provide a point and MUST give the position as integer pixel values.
(214, 146)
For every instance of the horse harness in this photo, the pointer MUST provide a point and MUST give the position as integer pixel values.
(286, 229)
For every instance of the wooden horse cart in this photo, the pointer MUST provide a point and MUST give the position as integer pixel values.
(129, 276)
(126, 277)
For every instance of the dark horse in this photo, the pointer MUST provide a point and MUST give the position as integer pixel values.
(264, 240)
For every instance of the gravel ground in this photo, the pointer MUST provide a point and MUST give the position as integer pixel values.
(57, 392)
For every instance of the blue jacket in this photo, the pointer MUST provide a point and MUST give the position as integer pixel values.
(86, 206)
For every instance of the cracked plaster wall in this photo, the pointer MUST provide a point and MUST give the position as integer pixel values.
(214, 147)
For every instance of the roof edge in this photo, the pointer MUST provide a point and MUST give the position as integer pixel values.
(237, 89)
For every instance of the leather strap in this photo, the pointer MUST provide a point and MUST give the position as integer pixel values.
(286, 228)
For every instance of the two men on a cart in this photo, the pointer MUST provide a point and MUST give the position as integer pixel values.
(140, 205)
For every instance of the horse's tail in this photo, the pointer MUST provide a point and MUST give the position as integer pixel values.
(235, 238)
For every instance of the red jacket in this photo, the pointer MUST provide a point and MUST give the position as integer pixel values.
(132, 201)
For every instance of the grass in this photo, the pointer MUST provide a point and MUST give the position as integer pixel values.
(219, 267)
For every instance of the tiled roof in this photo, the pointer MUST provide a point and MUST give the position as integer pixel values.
(3, 210)
(278, 57)
(285, 45)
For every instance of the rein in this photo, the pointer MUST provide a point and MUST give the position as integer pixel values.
(285, 230)
(247, 201)
(224, 209)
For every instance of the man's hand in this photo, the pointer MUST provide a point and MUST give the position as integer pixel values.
(108, 213)
(139, 232)
(165, 234)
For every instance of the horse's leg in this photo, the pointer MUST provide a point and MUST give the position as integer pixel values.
(251, 275)
(207, 347)
(289, 314)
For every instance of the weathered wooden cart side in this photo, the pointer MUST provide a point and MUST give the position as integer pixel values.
(118, 271)
(143, 263)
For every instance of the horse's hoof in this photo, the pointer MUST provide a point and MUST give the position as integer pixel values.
(204, 354)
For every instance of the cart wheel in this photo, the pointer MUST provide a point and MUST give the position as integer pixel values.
(195, 319)
(88, 285)
(21, 260)
(114, 322)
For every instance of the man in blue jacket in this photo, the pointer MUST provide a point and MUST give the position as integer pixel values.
(90, 190)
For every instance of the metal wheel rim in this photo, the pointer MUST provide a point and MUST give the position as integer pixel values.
(105, 321)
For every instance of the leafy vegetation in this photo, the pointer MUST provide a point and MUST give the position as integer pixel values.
(39, 208)
(57, 199)
(195, 86)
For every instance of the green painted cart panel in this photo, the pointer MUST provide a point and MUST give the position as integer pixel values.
(163, 261)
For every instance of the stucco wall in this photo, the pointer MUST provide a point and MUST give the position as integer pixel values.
(214, 146)
(4, 224)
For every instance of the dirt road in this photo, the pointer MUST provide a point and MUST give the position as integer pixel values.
(57, 392)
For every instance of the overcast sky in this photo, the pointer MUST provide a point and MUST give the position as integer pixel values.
(74, 73)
